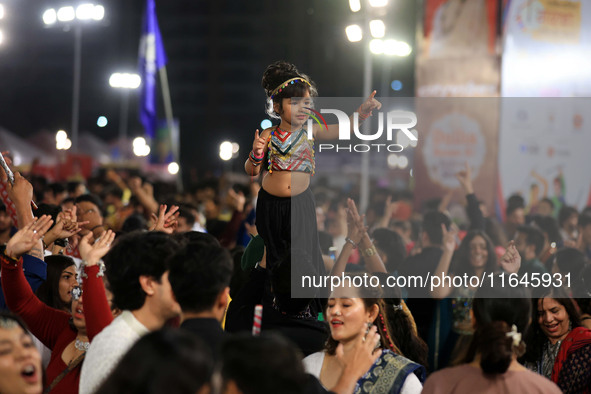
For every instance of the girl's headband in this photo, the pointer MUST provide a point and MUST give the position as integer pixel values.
(279, 88)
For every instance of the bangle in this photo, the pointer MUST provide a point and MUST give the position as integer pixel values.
(369, 251)
(257, 157)
(10, 259)
(254, 159)
(349, 240)
(100, 265)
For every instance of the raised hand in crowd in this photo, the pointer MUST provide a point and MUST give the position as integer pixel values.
(236, 201)
(449, 239)
(165, 221)
(465, 179)
(144, 193)
(66, 225)
(511, 260)
(389, 209)
(92, 253)
(21, 194)
(356, 228)
(27, 237)
(444, 203)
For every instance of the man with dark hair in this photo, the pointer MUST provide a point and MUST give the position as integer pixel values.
(90, 208)
(585, 233)
(54, 194)
(529, 242)
(186, 219)
(137, 270)
(270, 364)
(200, 279)
(546, 207)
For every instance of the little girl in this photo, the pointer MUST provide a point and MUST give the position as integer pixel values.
(286, 212)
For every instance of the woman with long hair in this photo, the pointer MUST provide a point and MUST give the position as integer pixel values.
(56, 291)
(66, 334)
(558, 345)
(348, 310)
(501, 316)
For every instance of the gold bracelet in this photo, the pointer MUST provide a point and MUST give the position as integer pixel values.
(369, 251)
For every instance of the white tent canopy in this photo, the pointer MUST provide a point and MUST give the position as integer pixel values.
(22, 151)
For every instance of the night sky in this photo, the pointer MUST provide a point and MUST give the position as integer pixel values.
(217, 51)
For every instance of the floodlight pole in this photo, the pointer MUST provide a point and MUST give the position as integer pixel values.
(367, 81)
(76, 89)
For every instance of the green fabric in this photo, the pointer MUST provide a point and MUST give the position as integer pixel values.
(253, 253)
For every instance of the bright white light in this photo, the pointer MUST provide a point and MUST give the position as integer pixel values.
(403, 162)
(377, 28)
(139, 142)
(84, 11)
(173, 168)
(404, 49)
(355, 5)
(49, 17)
(396, 48)
(354, 33)
(98, 13)
(378, 3)
(101, 121)
(66, 14)
(63, 144)
(125, 80)
(1, 11)
(392, 160)
(140, 148)
(235, 147)
(265, 124)
(226, 150)
(376, 46)
(61, 136)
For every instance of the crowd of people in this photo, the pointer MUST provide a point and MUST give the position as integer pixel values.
(117, 285)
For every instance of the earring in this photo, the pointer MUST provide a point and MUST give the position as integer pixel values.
(368, 327)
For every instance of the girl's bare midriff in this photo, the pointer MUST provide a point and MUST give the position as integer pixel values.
(286, 183)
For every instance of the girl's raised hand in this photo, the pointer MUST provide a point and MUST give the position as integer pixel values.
(258, 146)
(370, 104)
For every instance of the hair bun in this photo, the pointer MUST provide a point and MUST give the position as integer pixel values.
(277, 73)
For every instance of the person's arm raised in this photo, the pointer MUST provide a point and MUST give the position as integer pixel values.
(256, 157)
(364, 111)
(449, 246)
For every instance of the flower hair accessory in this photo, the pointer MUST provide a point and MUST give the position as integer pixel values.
(514, 335)
(279, 88)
